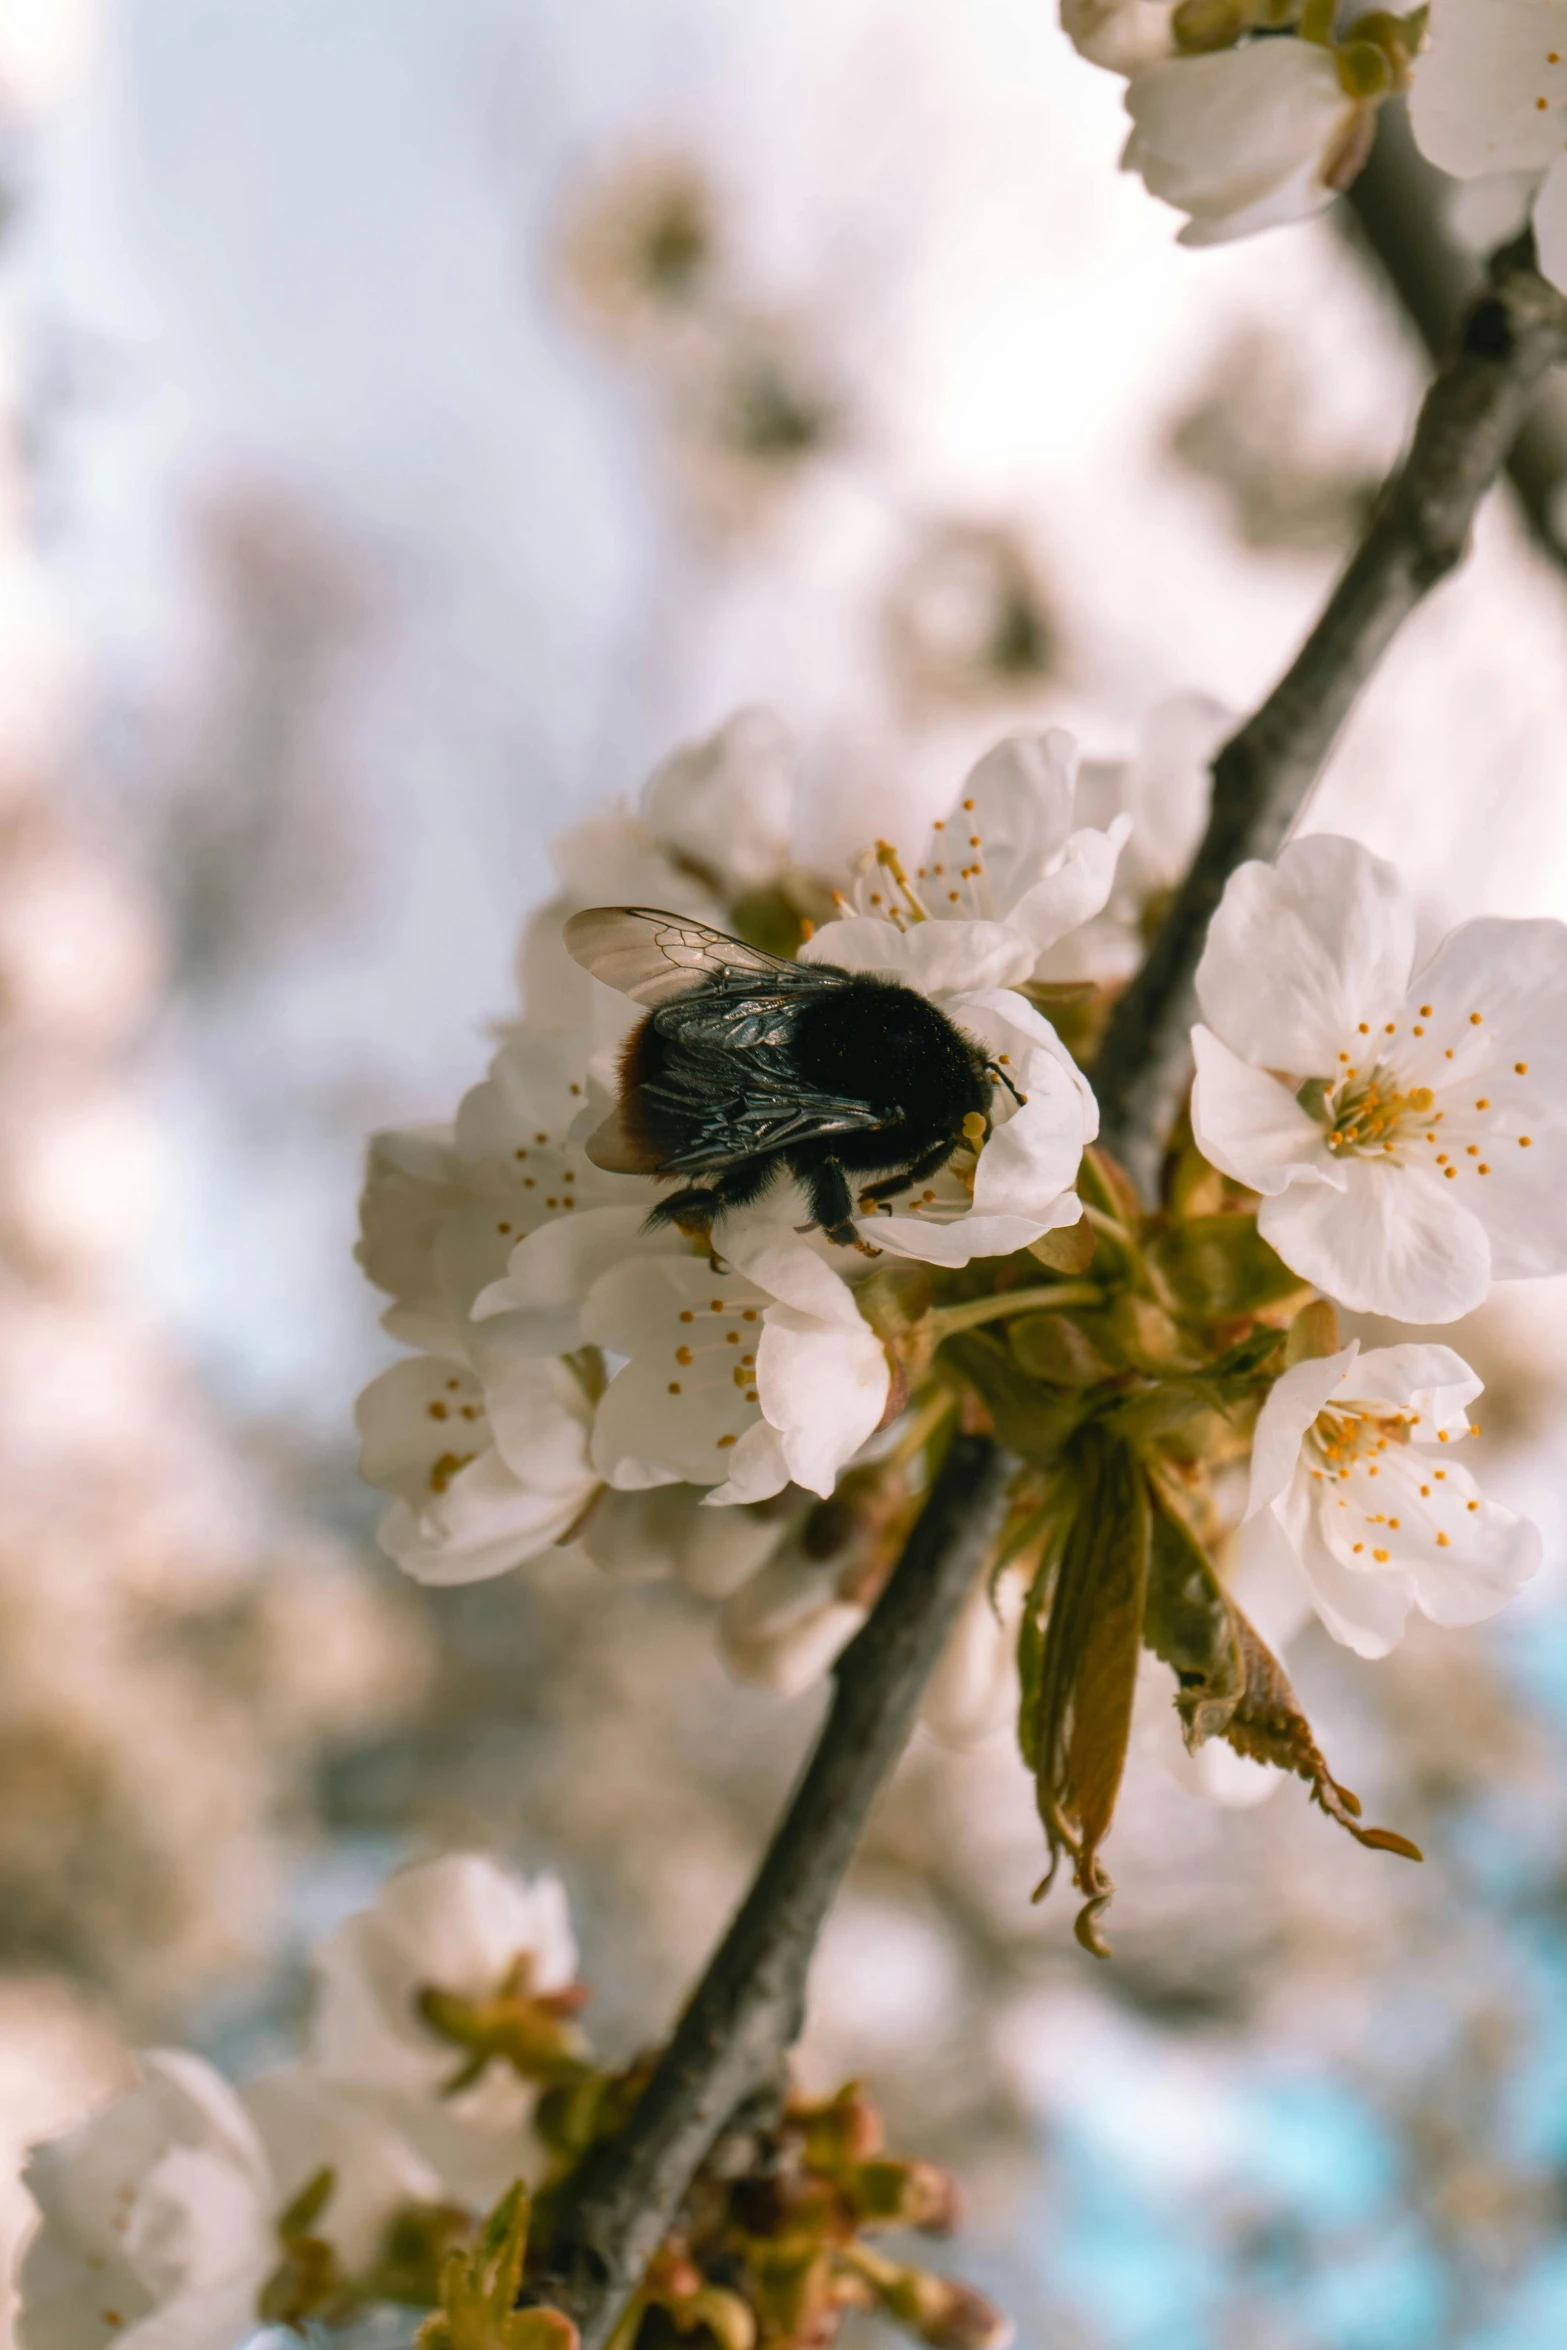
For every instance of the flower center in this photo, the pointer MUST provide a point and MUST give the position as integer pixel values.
(1368, 1113)
(1343, 1435)
(953, 883)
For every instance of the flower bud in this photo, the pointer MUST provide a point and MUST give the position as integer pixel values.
(905, 2195)
(946, 2313)
(1209, 24)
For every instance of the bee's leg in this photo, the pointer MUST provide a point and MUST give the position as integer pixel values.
(692, 1210)
(890, 1185)
(695, 1208)
(832, 1204)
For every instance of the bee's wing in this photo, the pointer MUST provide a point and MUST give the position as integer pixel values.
(737, 1105)
(653, 957)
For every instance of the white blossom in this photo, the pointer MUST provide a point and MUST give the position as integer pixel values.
(157, 2220)
(482, 1445)
(1245, 139)
(1490, 96)
(307, 2125)
(1009, 852)
(1120, 34)
(664, 1530)
(1407, 1133)
(783, 1628)
(465, 1926)
(443, 1207)
(1354, 1480)
(726, 805)
(744, 1380)
(485, 1456)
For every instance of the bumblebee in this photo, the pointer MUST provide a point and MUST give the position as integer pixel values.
(747, 1066)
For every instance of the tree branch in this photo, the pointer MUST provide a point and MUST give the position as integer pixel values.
(1468, 423)
(1396, 208)
(748, 2010)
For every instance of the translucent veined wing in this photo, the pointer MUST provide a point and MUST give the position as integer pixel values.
(653, 956)
(718, 1107)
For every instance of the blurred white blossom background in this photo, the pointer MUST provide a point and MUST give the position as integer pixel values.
(364, 526)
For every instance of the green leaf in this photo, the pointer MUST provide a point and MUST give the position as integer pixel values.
(1080, 1668)
(1031, 1420)
(1216, 1266)
(1059, 1350)
(1189, 1623)
(479, 2291)
(1269, 1726)
(1067, 1251)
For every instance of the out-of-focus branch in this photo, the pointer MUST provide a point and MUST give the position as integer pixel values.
(1397, 207)
(747, 2012)
(1470, 418)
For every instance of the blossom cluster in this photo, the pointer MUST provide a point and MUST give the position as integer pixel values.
(445, 2078)
(758, 1408)
(1247, 114)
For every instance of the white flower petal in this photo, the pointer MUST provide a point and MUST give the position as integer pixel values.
(1474, 105)
(667, 1531)
(1239, 139)
(1389, 1243)
(164, 2201)
(823, 1388)
(677, 1409)
(1299, 953)
(307, 2124)
(549, 1274)
(1075, 891)
(1365, 1612)
(758, 1469)
(1436, 1381)
(1550, 224)
(937, 958)
(1020, 798)
(1293, 1402)
(726, 804)
(784, 1628)
(455, 1924)
(1251, 1127)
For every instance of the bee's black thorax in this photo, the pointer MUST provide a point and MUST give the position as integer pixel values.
(891, 1047)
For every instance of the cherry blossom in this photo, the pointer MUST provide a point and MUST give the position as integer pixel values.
(1407, 1132)
(467, 1927)
(1008, 852)
(783, 1628)
(1490, 96)
(743, 1380)
(157, 2220)
(1245, 139)
(664, 1530)
(444, 1207)
(1353, 1480)
(485, 1455)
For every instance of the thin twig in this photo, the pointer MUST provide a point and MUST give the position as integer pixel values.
(1469, 421)
(747, 2012)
